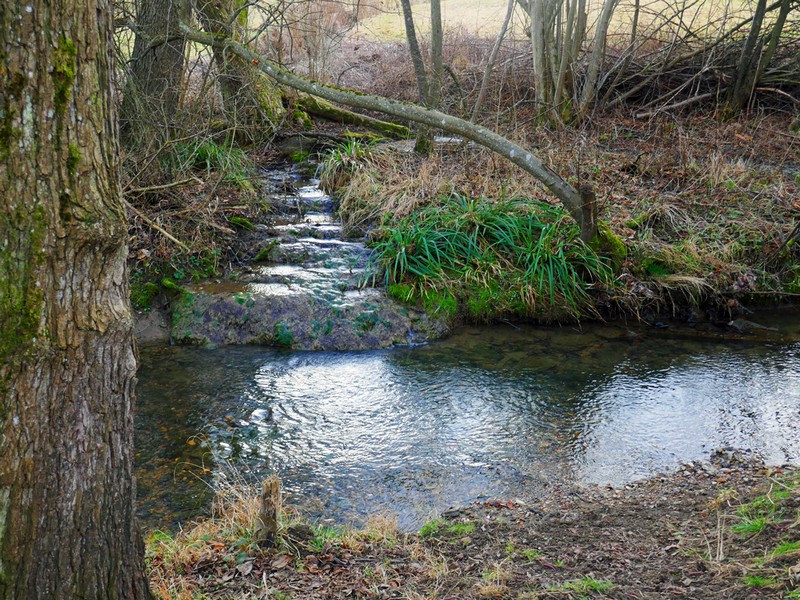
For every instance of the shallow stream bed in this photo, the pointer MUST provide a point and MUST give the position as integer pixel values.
(490, 412)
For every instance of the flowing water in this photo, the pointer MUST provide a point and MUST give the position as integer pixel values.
(489, 412)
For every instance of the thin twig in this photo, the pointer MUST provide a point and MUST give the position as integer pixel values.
(161, 230)
(681, 104)
(156, 188)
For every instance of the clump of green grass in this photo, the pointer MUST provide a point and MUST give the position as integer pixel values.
(751, 525)
(757, 581)
(517, 257)
(759, 522)
(205, 154)
(786, 548)
(756, 515)
(587, 585)
(343, 161)
(324, 535)
(531, 555)
(440, 528)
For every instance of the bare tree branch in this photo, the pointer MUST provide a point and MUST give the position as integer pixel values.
(571, 198)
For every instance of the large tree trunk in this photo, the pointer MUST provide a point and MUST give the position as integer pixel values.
(580, 205)
(152, 94)
(67, 365)
(252, 102)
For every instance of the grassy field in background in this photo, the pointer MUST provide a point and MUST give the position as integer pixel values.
(480, 17)
(484, 17)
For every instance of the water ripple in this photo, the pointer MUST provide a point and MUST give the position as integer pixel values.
(495, 412)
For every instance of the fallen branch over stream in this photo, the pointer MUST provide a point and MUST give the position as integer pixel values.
(580, 204)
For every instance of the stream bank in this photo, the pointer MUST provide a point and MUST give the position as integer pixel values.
(304, 287)
(303, 284)
(724, 528)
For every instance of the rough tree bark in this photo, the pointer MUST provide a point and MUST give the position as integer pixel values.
(252, 102)
(67, 365)
(579, 205)
(152, 93)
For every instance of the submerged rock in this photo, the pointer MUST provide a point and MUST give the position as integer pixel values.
(278, 314)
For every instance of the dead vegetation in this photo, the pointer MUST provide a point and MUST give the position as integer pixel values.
(704, 208)
(724, 529)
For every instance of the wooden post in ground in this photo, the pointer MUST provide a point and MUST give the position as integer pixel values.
(267, 529)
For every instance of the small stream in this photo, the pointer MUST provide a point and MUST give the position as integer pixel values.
(489, 412)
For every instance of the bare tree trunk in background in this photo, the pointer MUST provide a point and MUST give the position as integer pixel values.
(558, 31)
(252, 102)
(774, 39)
(437, 56)
(68, 528)
(424, 143)
(623, 67)
(152, 94)
(415, 52)
(541, 87)
(580, 204)
(589, 93)
(426, 86)
(498, 42)
(747, 67)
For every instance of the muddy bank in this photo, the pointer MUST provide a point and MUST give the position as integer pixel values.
(727, 528)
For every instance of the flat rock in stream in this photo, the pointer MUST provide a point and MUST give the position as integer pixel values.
(306, 288)
(280, 315)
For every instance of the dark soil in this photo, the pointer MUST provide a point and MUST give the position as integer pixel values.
(729, 528)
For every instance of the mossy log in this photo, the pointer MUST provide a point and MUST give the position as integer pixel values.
(325, 110)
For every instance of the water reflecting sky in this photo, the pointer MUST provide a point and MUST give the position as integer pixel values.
(497, 412)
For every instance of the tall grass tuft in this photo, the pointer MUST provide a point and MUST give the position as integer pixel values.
(513, 258)
(343, 161)
(205, 154)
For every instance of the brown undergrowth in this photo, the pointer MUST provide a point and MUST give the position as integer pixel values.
(725, 529)
(705, 208)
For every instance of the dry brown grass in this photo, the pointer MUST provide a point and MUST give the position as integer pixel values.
(172, 559)
(703, 203)
(392, 182)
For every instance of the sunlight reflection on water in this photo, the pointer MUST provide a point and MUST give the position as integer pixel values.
(497, 412)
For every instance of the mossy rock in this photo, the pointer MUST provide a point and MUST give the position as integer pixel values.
(264, 254)
(142, 294)
(610, 245)
(282, 335)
